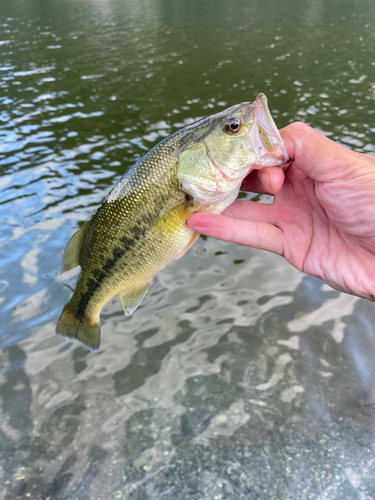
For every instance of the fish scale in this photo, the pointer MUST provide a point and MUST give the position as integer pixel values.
(141, 225)
(127, 247)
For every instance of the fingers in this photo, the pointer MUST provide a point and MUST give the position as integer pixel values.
(267, 180)
(316, 155)
(253, 234)
(245, 210)
(272, 178)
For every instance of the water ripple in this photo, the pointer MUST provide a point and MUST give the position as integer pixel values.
(237, 376)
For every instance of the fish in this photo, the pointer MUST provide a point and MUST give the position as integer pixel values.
(141, 225)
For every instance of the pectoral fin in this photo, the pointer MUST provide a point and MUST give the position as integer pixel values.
(193, 239)
(73, 248)
(131, 300)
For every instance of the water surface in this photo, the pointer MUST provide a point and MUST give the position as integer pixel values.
(238, 377)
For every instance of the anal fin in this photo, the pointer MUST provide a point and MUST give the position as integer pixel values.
(131, 300)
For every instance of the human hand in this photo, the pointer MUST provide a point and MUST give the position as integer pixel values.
(322, 219)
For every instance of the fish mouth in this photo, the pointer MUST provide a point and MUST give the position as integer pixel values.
(265, 137)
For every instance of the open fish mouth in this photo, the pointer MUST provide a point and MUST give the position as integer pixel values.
(265, 137)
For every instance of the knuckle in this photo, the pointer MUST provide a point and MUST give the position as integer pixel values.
(300, 128)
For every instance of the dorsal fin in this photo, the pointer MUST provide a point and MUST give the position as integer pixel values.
(73, 248)
(131, 300)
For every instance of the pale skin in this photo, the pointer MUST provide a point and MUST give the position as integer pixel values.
(322, 219)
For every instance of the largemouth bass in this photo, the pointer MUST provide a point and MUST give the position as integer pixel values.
(141, 225)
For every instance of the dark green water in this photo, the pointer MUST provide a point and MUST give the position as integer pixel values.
(238, 377)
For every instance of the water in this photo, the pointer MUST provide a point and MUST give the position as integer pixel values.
(238, 377)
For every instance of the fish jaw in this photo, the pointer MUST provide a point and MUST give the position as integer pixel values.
(265, 137)
(211, 178)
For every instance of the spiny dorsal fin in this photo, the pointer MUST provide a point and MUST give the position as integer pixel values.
(131, 300)
(73, 248)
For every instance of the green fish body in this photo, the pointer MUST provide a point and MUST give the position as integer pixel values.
(141, 225)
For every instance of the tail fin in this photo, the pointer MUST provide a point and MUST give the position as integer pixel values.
(70, 327)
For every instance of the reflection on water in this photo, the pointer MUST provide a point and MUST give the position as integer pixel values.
(238, 377)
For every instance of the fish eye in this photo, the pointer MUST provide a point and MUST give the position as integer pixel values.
(233, 125)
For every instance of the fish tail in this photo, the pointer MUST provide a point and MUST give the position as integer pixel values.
(85, 330)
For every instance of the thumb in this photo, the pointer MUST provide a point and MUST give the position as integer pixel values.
(317, 156)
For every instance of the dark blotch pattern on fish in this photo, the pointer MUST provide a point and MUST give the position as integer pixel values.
(141, 225)
(94, 283)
